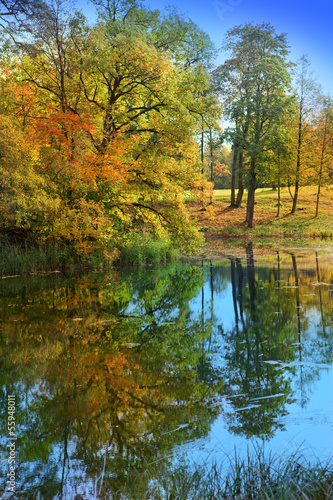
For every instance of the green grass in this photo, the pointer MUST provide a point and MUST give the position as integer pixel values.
(297, 227)
(136, 249)
(220, 194)
(15, 259)
(142, 249)
(257, 477)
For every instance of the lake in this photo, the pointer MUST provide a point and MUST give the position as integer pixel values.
(105, 376)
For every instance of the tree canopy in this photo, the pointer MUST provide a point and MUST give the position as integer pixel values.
(109, 114)
(110, 128)
(256, 80)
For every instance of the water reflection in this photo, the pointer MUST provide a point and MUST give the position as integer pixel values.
(104, 373)
(112, 372)
(263, 333)
(275, 344)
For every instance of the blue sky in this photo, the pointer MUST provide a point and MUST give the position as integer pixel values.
(307, 23)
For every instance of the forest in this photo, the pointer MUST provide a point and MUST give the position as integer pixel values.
(111, 126)
(128, 137)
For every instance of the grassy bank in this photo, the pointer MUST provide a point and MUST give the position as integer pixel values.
(135, 250)
(254, 478)
(224, 226)
(15, 259)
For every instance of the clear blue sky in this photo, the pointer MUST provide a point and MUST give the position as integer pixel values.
(307, 23)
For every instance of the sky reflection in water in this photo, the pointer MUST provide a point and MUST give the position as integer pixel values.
(116, 373)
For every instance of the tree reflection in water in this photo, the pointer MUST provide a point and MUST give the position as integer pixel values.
(268, 350)
(112, 372)
(105, 378)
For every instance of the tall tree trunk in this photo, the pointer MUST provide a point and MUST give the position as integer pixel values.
(295, 198)
(318, 192)
(202, 151)
(321, 168)
(298, 164)
(250, 206)
(240, 180)
(211, 156)
(279, 188)
(237, 165)
(233, 175)
(250, 195)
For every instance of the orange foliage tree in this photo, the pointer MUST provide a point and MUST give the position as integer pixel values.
(111, 126)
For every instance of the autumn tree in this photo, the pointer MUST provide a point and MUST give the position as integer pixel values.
(322, 145)
(218, 160)
(15, 13)
(307, 93)
(117, 118)
(257, 75)
(281, 155)
(25, 200)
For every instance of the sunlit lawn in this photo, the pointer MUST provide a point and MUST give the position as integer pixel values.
(225, 193)
(302, 224)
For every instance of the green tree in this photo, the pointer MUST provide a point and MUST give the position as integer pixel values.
(307, 93)
(228, 88)
(168, 31)
(18, 12)
(257, 75)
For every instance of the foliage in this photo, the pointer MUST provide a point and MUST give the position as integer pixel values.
(257, 79)
(106, 117)
(320, 147)
(143, 249)
(271, 127)
(307, 93)
(109, 129)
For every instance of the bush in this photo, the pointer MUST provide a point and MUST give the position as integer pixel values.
(145, 249)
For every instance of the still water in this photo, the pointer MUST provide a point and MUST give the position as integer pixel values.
(116, 374)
